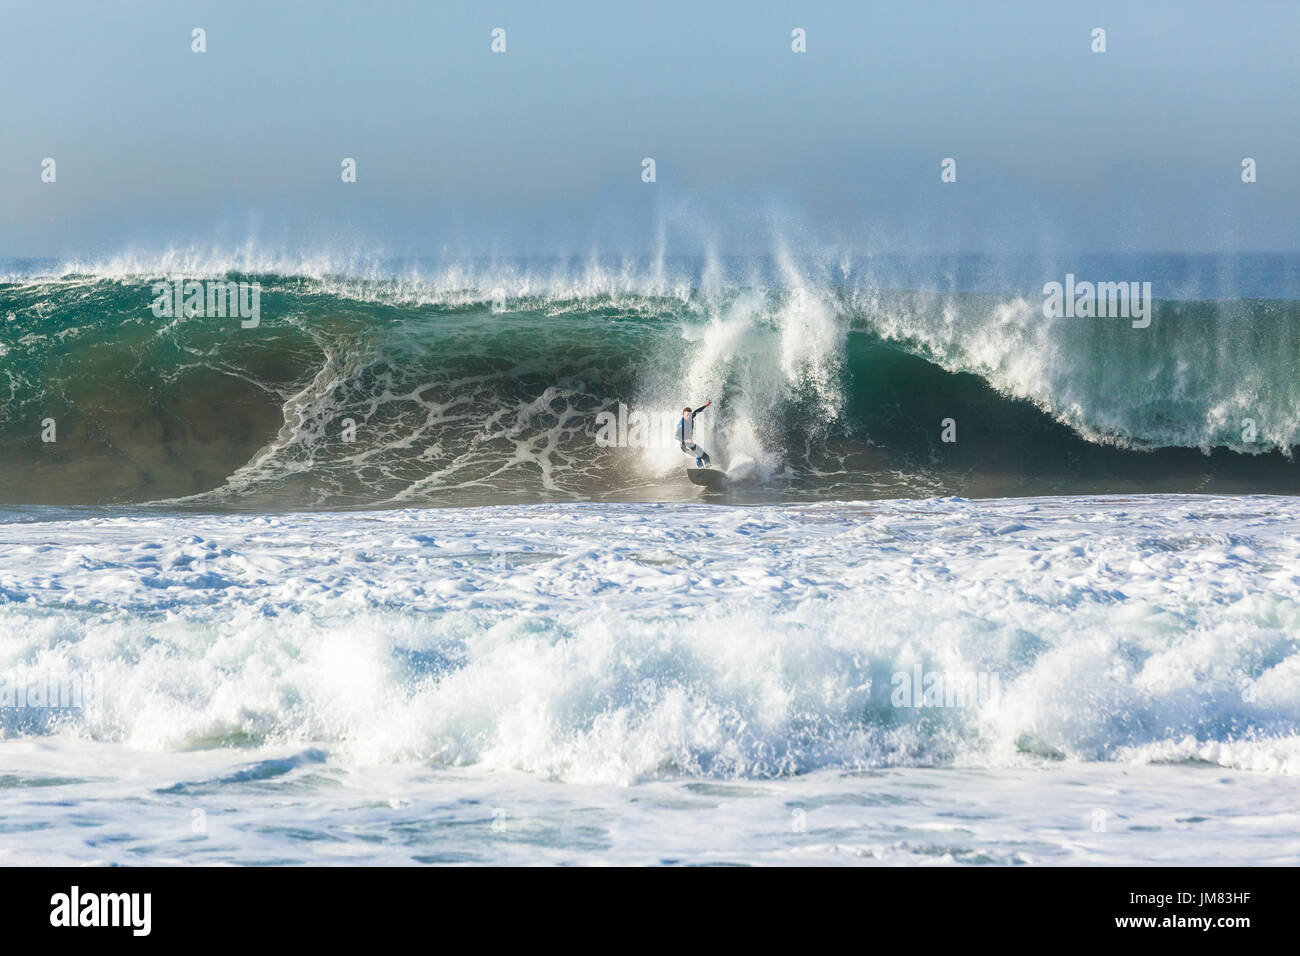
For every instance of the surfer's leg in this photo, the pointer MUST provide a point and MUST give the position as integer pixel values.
(703, 460)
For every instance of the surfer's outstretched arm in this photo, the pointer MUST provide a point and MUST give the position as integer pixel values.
(701, 408)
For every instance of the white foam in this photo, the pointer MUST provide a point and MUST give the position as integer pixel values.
(612, 643)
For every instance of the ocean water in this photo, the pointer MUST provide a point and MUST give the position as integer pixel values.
(484, 383)
(648, 682)
(475, 633)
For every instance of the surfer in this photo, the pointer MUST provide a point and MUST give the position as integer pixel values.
(686, 432)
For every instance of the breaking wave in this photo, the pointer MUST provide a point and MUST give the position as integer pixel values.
(391, 385)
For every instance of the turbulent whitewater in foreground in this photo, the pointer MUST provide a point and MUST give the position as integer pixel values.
(590, 670)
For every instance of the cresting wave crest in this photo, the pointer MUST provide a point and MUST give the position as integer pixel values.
(391, 384)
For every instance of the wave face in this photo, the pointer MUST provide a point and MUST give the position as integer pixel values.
(478, 385)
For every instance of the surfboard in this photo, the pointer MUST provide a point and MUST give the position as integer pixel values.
(708, 477)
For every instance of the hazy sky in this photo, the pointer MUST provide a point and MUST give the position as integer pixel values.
(539, 149)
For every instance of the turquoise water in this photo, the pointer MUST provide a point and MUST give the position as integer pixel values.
(486, 384)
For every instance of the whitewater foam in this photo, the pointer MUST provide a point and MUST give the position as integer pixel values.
(648, 683)
(615, 643)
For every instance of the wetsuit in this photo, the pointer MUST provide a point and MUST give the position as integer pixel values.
(685, 438)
